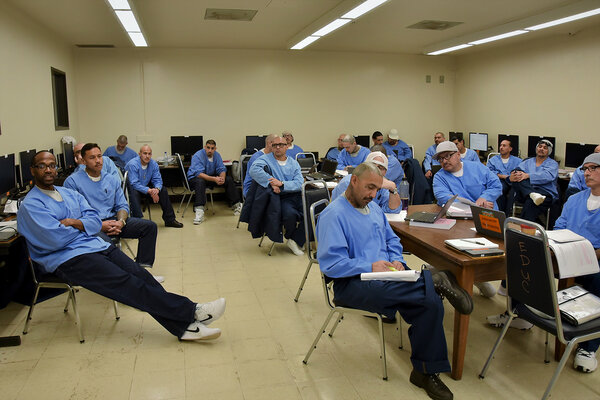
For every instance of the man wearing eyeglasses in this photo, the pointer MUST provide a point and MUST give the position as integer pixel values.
(577, 182)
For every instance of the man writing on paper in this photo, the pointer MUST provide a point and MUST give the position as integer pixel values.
(355, 237)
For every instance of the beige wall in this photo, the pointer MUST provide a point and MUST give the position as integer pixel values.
(27, 51)
(543, 87)
(228, 94)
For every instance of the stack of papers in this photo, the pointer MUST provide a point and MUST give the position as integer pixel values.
(399, 276)
(575, 254)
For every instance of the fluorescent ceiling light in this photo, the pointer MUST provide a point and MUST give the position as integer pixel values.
(128, 21)
(305, 42)
(563, 20)
(138, 39)
(449, 49)
(332, 26)
(498, 37)
(119, 4)
(363, 8)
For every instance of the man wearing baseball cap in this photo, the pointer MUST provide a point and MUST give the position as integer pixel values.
(397, 147)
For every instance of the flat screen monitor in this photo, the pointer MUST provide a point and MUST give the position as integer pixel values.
(256, 142)
(25, 158)
(8, 180)
(575, 153)
(68, 157)
(186, 146)
(363, 140)
(514, 142)
(478, 141)
(452, 135)
(532, 142)
(51, 151)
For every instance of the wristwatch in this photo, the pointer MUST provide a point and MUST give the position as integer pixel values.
(123, 221)
(395, 191)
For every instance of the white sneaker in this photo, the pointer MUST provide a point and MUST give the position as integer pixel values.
(499, 320)
(159, 278)
(537, 198)
(294, 247)
(585, 361)
(199, 216)
(237, 208)
(207, 313)
(487, 289)
(199, 331)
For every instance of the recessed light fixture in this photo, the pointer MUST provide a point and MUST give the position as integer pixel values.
(129, 22)
(119, 4)
(138, 39)
(332, 26)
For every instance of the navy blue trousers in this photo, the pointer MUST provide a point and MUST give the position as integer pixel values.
(145, 231)
(591, 283)
(418, 304)
(507, 199)
(199, 185)
(291, 217)
(530, 210)
(112, 274)
(135, 202)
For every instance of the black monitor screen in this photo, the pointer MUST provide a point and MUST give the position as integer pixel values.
(8, 180)
(256, 142)
(68, 156)
(575, 153)
(25, 158)
(514, 142)
(363, 140)
(478, 141)
(532, 142)
(186, 146)
(51, 151)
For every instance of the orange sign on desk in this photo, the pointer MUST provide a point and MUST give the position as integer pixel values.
(489, 222)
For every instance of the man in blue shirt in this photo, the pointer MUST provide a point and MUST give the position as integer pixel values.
(103, 193)
(292, 149)
(255, 156)
(577, 182)
(285, 179)
(355, 237)
(394, 171)
(120, 154)
(60, 229)
(108, 166)
(144, 177)
(429, 153)
(352, 155)
(396, 147)
(377, 138)
(465, 154)
(207, 171)
(334, 152)
(502, 165)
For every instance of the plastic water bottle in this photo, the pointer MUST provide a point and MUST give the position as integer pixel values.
(404, 192)
(166, 160)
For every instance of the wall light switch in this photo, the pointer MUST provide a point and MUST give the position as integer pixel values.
(427, 78)
(442, 78)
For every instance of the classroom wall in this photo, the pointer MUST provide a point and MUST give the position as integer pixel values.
(151, 94)
(549, 87)
(27, 51)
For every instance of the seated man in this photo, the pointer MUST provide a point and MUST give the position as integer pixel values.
(534, 182)
(468, 179)
(334, 152)
(355, 237)
(387, 198)
(377, 138)
(286, 180)
(465, 154)
(352, 155)
(144, 177)
(394, 173)
(120, 153)
(396, 147)
(108, 166)
(60, 229)
(502, 165)
(103, 193)
(255, 156)
(577, 182)
(292, 149)
(429, 153)
(207, 171)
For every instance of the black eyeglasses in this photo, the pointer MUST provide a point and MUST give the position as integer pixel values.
(42, 167)
(591, 168)
(446, 157)
(279, 144)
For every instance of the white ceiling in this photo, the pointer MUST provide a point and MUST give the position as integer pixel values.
(181, 24)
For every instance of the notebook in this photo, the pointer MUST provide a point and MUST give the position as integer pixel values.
(327, 172)
(430, 217)
(488, 222)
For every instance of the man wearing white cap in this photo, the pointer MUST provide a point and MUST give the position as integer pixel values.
(387, 197)
(397, 147)
(534, 182)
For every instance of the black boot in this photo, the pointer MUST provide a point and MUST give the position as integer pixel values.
(433, 385)
(446, 285)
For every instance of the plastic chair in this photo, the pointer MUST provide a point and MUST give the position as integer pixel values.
(531, 284)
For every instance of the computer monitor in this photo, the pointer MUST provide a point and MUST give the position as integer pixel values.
(186, 146)
(68, 157)
(256, 142)
(8, 180)
(363, 140)
(478, 141)
(532, 142)
(575, 153)
(452, 135)
(514, 142)
(25, 158)
(51, 151)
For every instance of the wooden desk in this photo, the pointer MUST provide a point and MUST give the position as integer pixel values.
(428, 244)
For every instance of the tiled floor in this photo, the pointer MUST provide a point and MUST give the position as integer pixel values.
(265, 337)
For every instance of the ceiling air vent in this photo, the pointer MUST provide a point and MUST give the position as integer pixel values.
(96, 46)
(225, 14)
(434, 25)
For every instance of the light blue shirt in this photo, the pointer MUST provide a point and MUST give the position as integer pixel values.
(477, 181)
(395, 172)
(349, 242)
(578, 180)
(202, 165)
(51, 243)
(382, 198)
(248, 178)
(139, 178)
(289, 173)
(108, 167)
(498, 167)
(293, 151)
(124, 158)
(106, 195)
(542, 177)
(400, 150)
(429, 161)
(470, 156)
(344, 159)
(332, 154)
